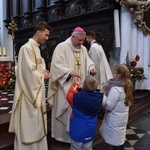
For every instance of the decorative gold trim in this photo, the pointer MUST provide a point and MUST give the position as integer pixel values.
(37, 95)
(13, 27)
(141, 9)
(18, 100)
(39, 61)
(34, 141)
(36, 62)
(34, 57)
(44, 124)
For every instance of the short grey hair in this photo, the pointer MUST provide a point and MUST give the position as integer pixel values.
(78, 33)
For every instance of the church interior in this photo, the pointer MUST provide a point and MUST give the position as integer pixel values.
(122, 28)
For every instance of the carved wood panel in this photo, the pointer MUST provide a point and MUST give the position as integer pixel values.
(141, 11)
(63, 16)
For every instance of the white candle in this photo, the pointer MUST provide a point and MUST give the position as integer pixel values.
(117, 28)
(0, 51)
(16, 69)
(4, 51)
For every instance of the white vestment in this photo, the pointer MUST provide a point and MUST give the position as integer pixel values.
(96, 53)
(63, 62)
(29, 118)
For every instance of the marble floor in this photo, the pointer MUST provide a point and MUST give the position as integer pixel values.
(138, 134)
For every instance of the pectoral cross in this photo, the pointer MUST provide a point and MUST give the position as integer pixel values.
(78, 63)
(78, 67)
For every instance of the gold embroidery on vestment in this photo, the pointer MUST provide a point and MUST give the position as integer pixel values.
(44, 125)
(19, 99)
(38, 61)
(77, 65)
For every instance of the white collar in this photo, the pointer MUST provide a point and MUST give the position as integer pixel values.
(34, 42)
(74, 49)
(93, 42)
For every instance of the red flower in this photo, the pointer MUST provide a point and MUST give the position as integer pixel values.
(133, 63)
(3, 82)
(142, 70)
(1, 70)
(137, 57)
(136, 73)
(140, 76)
(7, 77)
(4, 65)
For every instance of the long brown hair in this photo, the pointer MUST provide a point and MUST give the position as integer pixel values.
(123, 71)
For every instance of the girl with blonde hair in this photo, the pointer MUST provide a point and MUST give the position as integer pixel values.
(119, 92)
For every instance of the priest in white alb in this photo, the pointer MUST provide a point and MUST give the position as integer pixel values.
(70, 62)
(29, 118)
(97, 55)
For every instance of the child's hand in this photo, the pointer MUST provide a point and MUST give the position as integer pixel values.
(103, 88)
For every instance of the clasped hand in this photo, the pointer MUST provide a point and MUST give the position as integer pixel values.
(46, 74)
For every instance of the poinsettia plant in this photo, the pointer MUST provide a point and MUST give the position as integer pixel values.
(133, 62)
(136, 73)
(7, 78)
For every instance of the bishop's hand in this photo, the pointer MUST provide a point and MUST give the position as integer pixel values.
(93, 72)
(74, 74)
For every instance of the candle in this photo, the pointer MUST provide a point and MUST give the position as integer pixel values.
(16, 70)
(0, 51)
(4, 51)
(117, 28)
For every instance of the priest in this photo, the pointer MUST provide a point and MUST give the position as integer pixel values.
(97, 55)
(29, 119)
(70, 63)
